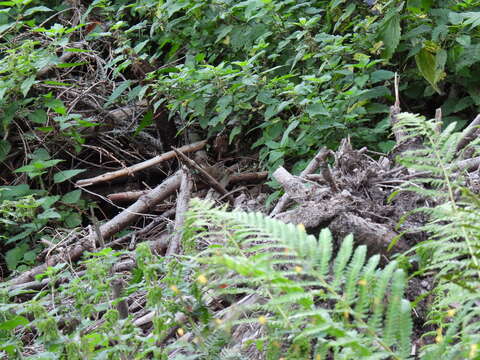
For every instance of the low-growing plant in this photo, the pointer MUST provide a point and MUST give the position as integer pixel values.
(312, 302)
(451, 254)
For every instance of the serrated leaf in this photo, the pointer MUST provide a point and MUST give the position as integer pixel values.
(430, 66)
(72, 197)
(27, 84)
(36, 9)
(13, 323)
(73, 220)
(390, 33)
(117, 92)
(65, 175)
(49, 214)
(38, 117)
(5, 148)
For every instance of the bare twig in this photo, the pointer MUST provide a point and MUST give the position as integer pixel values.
(141, 166)
(205, 175)
(395, 110)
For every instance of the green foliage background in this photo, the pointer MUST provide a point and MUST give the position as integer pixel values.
(284, 78)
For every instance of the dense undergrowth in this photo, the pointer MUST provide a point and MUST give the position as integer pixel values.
(281, 78)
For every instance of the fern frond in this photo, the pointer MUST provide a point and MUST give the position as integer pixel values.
(454, 242)
(308, 294)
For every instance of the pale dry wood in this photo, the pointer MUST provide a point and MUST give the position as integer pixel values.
(468, 164)
(469, 134)
(143, 204)
(394, 111)
(292, 185)
(118, 223)
(140, 166)
(182, 206)
(316, 162)
(128, 196)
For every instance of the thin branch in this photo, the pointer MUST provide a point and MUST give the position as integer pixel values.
(206, 176)
(140, 166)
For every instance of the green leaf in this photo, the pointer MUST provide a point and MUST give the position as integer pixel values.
(471, 18)
(72, 197)
(235, 131)
(5, 27)
(290, 128)
(317, 109)
(381, 75)
(146, 121)
(390, 32)
(19, 236)
(36, 9)
(13, 323)
(5, 148)
(47, 201)
(117, 92)
(429, 68)
(38, 117)
(37, 165)
(65, 175)
(49, 214)
(14, 256)
(27, 84)
(73, 220)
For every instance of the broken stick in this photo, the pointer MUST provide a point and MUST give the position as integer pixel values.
(119, 222)
(206, 176)
(311, 168)
(140, 166)
(182, 207)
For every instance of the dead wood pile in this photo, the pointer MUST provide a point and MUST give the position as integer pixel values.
(345, 190)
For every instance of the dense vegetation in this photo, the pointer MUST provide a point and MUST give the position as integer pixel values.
(123, 80)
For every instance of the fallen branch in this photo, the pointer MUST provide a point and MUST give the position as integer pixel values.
(182, 207)
(140, 166)
(469, 134)
(467, 165)
(291, 184)
(311, 168)
(204, 174)
(250, 177)
(377, 237)
(129, 196)
(143, 204)
(110, 228)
